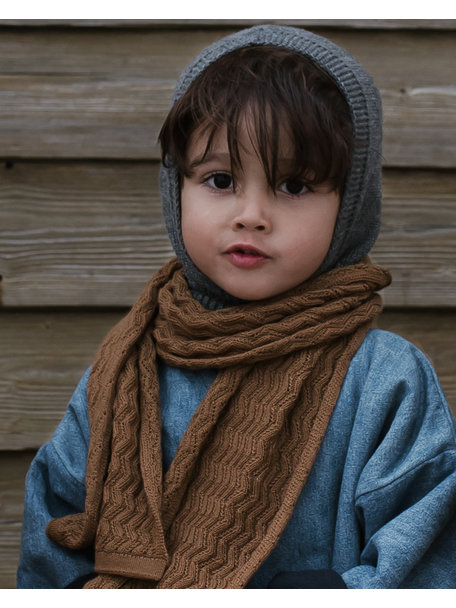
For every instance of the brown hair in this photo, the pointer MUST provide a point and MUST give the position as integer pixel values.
(280, 89)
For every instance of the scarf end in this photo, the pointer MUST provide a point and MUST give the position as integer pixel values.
(76, 531)
(130, 566)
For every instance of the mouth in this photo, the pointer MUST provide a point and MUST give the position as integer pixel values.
(246, 256)
(246, 250)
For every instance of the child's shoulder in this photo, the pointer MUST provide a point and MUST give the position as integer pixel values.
(391, 350)
(389, 363)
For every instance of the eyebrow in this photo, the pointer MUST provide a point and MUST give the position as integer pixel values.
(225, 156)
(210, 157)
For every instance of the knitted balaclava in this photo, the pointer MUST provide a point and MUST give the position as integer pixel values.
(358, 220)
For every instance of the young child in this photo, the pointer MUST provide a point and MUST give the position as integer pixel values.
(243, 425)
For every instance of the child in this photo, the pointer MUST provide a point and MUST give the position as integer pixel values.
(247, 426)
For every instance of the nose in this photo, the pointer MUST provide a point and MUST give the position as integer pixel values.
(252, 214)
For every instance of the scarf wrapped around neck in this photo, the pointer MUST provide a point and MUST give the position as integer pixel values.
(218, 512)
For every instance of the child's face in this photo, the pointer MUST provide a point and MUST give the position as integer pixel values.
(252, 242)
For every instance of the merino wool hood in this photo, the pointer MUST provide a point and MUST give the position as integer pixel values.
(358, 221)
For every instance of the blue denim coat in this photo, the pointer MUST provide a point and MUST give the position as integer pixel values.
(379, 507)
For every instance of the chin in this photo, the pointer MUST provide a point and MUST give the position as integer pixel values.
(250, 295)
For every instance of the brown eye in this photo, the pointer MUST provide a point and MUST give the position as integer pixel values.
(294, 187)
(220, 181)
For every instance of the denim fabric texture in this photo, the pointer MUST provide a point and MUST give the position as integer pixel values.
(379, 507)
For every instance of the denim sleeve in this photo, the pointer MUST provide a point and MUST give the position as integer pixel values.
(406, 494)
(55, 487)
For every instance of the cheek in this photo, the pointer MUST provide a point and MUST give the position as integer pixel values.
(200, 216)
(325, 217)
(188, 220)
(195, 224)
(189, 231)
(310, 233)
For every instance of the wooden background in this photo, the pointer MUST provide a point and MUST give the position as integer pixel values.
(81, 103)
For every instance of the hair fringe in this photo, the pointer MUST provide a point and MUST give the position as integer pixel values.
(279, 91)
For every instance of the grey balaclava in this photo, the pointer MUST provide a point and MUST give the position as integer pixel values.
(358, 221)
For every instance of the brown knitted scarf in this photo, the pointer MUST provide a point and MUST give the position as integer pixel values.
(249, 448)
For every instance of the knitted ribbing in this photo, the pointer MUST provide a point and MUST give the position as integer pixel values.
(250, 446)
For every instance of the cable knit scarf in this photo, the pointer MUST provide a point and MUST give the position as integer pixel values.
(220, 509)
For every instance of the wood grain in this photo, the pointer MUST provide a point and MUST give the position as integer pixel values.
(80, 234)
(43, 357)
(13, 468)
(91, 93)
(417, 242)
(92, 234)
(207, 23)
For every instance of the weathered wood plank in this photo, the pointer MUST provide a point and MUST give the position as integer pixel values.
(13, 468)
(100, 94)
(188, 23)
(79, 234)
(92, 234)
(104, 93)
(42, 358)
(400, 59)
(44, 355)
(417, 242)
(10, 535)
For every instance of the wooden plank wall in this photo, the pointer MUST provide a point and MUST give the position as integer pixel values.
(81, 229)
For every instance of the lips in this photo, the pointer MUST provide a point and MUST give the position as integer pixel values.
(246, 256)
